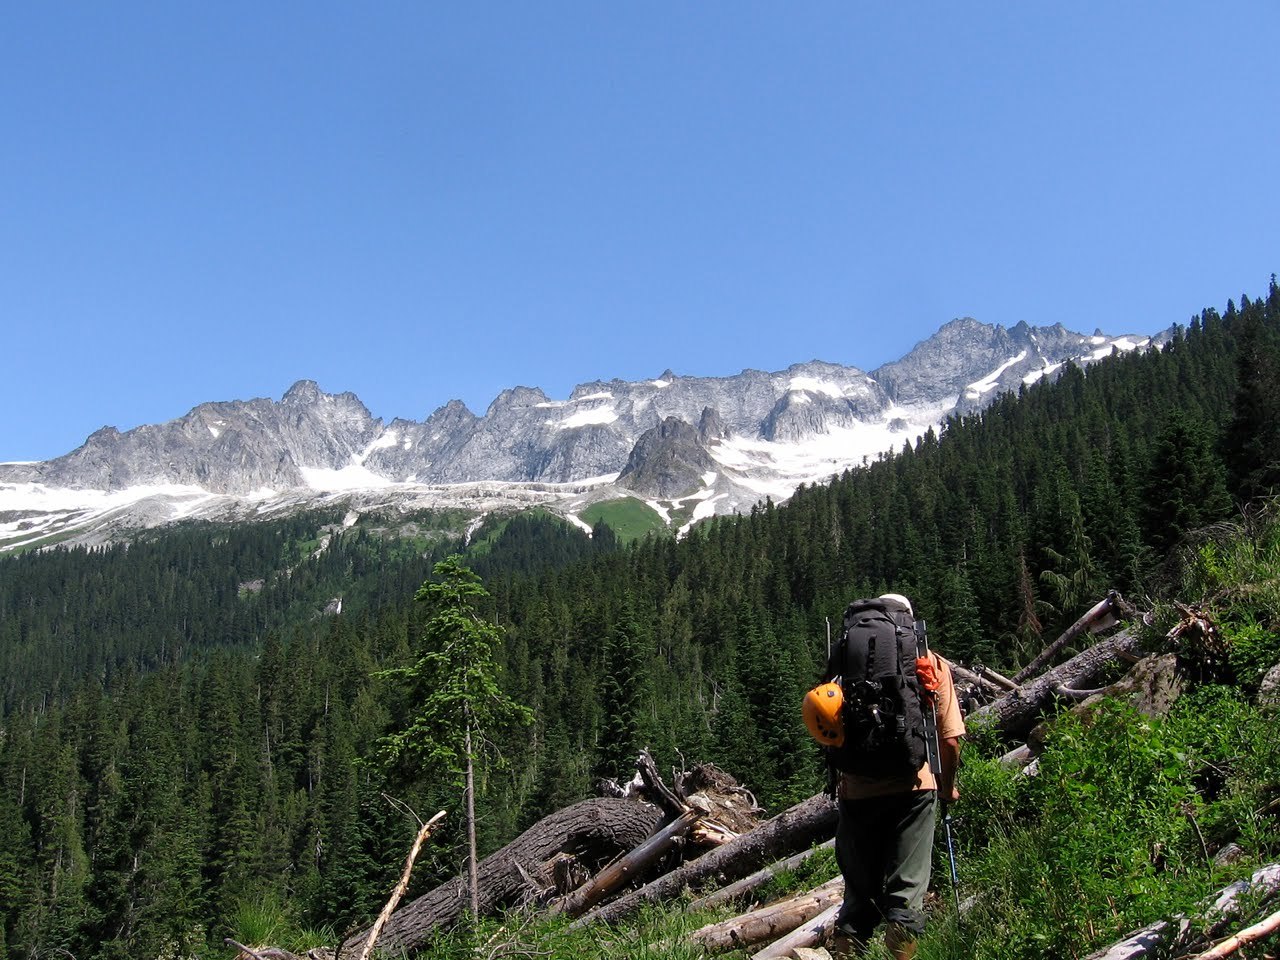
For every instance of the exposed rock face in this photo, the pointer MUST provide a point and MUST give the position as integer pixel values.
(668, 461)
(750, 428)
(976, 362)
(1269, 689)
(234, 447)
(712, 426)
(524, 436)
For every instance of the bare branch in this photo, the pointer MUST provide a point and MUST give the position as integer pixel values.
(423, 832)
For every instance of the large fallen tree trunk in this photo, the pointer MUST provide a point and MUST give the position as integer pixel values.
(1014, 714)
(592, 833)
(769, 922)
(809, 822)
(618, 874)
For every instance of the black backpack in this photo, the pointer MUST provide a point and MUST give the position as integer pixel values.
(884, 715)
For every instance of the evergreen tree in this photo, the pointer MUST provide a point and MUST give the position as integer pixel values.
(458, 703)
(962, 635)
(622, 694)
(1251, 443)
(1186, 483)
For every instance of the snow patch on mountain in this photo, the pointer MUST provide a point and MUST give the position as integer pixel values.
(765, 433)
(578, 522)
(33, 511)
(1048, 370)
(587, 418)
(814, 385)
(660, 510)
(385, 442)
(703, 511)
(354, 476)
(1123, 344)
(992, 380)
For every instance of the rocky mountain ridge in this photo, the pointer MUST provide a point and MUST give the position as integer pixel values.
(722, 443)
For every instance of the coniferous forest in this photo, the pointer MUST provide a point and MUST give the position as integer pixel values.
(191, 726)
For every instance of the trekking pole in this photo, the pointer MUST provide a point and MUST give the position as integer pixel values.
(951, 855)
(935, 764)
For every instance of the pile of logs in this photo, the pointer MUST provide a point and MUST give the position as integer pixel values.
(602, 859)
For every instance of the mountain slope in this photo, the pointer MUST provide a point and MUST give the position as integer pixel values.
(768, 433)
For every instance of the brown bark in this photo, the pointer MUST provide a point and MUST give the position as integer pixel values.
(801, 826)
(593, 831)
(622, 872)
(768, 923)
(1017, 712)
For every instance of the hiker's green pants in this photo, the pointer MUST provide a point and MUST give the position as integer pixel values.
(884, 846)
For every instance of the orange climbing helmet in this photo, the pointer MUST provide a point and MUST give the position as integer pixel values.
(822, 714)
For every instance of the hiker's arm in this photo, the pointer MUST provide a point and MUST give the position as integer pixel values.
(949, 754)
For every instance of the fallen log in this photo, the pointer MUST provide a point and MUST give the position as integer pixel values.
(1177, 935)
(1242, 939)
(801, 826)
(806, 935)
(985, 687)
(769, 922)
(1014, 714)
(593, 832)
(740, 888)
(623, 871)
(1106, 613)
(998, 680)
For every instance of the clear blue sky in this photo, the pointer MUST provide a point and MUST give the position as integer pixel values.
(424, 201)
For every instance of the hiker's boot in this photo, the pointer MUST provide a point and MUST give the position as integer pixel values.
(900, 942)
(844, 944)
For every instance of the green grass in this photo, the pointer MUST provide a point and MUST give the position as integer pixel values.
(628, 517)
(48, 540)
(265, 921)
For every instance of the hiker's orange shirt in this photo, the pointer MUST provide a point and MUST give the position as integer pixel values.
(950, 726)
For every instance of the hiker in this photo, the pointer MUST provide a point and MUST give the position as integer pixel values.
(884, 838)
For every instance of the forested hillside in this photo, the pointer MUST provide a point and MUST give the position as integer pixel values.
(190, 723)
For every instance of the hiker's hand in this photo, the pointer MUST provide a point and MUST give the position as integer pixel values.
(950, 755)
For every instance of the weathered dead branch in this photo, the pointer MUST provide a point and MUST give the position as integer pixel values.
(1018, 711)
(620, 873)
(1242, 939)
(423, 833)
(806, 935)
(1102, 615)
(997, 680)
(963, 675)
(769, 922)
(591, 833)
